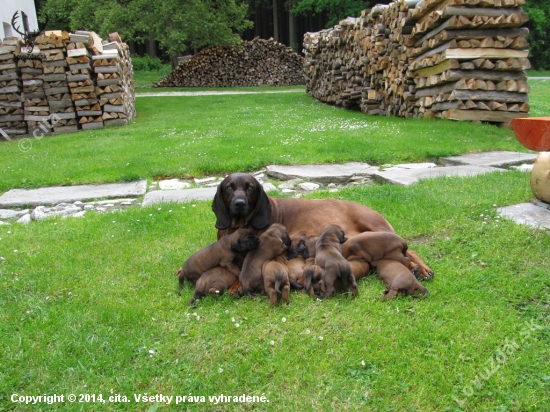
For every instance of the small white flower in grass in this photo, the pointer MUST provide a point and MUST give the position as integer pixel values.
(170, 211)
(153, 319)
(137, 220)
(198, 317)
(237, 325)
(220, 370)
(2, 258)
(227, 311)
(363, 364)
(272, 343)
(397, 310)
(193, 205)
(233, 320)
(151, 351)
(160, 208)
(283, 320)
(15, 251)
(321, 338)
(307, 331)
(150, 214)
(114, 221)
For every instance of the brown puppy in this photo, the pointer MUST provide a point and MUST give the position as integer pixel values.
(214, 282)
(312, 274)
(275, 274)
(371, 247)
(273, 242)
(328, 255)
(220, 253)
(398, 278)
(296, 261)
(240, 201)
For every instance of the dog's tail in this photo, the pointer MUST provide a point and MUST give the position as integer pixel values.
(278, 280)
(179, 273)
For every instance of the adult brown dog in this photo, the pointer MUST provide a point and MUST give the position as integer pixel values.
(221, 253)
(328, 255)
(276, 282)
(365, 250)
(398, 278)
(213, 282)
(273, 242)
(241, 201)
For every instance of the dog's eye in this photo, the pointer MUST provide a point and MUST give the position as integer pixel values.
(229, 188)
(250, 188)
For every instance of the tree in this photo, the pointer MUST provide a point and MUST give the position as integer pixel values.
(335, 10)
(178, 25)
(539, 35)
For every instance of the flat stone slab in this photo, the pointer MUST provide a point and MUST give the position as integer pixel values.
(322, 173)
(500, 159)
(179, 196)
(535, 215)
(69, 194)
(407, 177)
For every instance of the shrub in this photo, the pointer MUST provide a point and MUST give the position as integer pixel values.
(146, 63)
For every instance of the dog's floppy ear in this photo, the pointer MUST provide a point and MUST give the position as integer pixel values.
(262, 211)
(220, 209)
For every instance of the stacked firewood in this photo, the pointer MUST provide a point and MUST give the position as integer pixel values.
(69, 81)
(115, 83)
(83, 46)
(55, 85)
(469, 62)
(456, 59)
(255, 63)
(11, 106)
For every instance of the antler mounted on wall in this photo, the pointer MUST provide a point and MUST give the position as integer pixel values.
(28, 36)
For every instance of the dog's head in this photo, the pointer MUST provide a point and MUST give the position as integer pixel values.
(298, 246)
(244, 240)
(333, 234)
(240, 197)
(276, 237)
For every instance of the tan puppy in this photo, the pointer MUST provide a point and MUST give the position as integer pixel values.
(273, 242)
(275, 274)
(221, 253)
(214, 282)
(398, 278)
(370, 247)
(312, 274)
(328, 255)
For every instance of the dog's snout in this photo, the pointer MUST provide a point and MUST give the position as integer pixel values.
(239, 202)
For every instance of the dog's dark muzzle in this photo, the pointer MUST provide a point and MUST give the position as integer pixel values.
(239, 207)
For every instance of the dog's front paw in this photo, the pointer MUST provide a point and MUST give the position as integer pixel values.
(426, 273)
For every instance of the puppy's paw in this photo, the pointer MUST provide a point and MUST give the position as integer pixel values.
(424, 273)
(236, 289)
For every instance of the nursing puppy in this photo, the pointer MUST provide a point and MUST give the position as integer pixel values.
(221, 253)
(328, 255)
(371, 247)
(213, 282)
(276, 282)
(296, 260)
(273, 242)
(398, 278)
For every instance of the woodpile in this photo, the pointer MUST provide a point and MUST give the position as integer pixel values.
(255, 63)
(11, 86)
(70, 81)
(455, 59)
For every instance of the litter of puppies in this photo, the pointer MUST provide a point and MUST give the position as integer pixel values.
(277, 262)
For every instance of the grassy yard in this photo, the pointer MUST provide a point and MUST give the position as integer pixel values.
(88, 306)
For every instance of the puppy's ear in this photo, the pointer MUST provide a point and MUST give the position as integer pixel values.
(262, 211)
(220, 209)
(305, 253)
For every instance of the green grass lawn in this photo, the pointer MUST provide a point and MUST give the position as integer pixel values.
(200, 135)
(88, 306)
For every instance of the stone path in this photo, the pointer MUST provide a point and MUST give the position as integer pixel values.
(77, 200)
